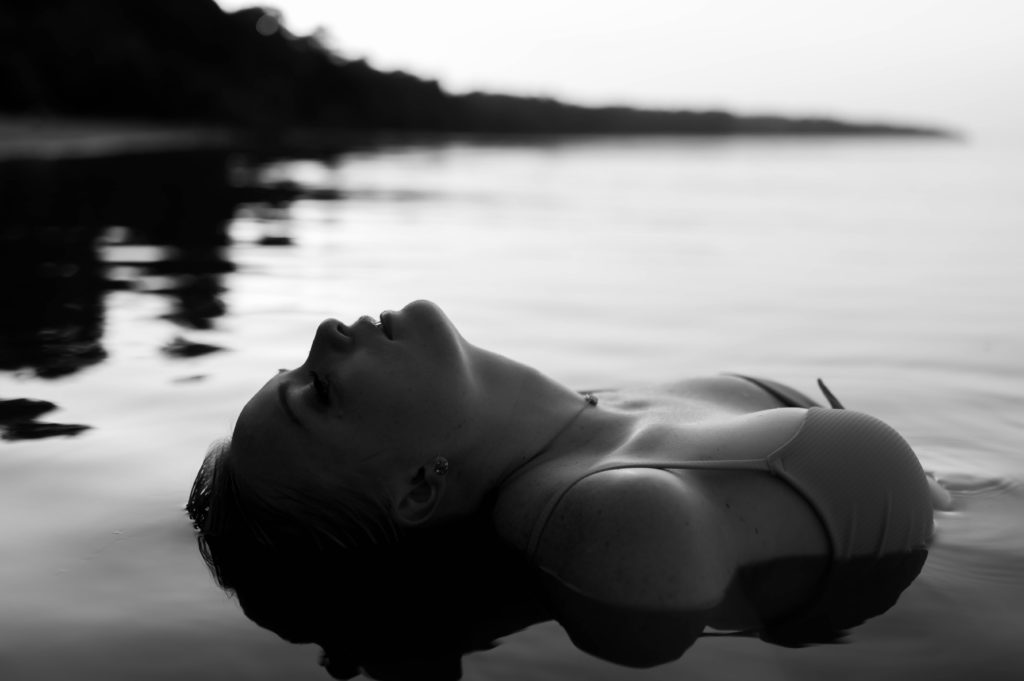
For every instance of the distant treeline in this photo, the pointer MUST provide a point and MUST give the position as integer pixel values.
(187, 61)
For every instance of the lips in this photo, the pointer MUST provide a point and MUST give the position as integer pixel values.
(386, 324)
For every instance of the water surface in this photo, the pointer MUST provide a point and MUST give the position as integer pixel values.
(891, 268)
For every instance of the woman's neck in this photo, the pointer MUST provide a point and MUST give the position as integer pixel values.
(517, 500)
(523, 416)
(557, 442)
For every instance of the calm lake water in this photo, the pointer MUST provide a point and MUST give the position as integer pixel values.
(892, 268)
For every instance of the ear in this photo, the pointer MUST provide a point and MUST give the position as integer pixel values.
(419, 498)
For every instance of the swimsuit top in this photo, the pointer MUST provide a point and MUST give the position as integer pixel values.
(861, 478)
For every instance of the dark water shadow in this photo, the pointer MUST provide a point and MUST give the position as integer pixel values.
(75, 229)
(406, 611)
(413, 611)
(18, 421)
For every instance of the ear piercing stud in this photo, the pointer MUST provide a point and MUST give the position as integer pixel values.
(440, 465)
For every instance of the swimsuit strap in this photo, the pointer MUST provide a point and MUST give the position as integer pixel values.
(789, 397)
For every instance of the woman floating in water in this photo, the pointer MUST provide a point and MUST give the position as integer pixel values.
(637, 519)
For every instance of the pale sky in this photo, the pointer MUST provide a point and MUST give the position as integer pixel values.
(953, 63)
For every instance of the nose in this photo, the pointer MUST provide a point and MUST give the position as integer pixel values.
(329, 339)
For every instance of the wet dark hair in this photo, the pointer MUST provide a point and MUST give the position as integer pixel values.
(390, 605)
(317, 510)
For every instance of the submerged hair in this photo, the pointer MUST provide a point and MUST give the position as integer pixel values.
(234, 515)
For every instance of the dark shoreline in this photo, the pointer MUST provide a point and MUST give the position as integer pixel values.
(56, 138)
(39, 138)
(117, 76)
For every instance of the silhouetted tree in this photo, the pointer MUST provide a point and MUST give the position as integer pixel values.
(188, 61)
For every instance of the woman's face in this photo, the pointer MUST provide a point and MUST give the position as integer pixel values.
(383, 396)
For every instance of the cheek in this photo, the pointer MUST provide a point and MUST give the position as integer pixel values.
(416, 393)
(422, 406)
(382, 398)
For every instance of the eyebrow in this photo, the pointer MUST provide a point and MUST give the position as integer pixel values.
(282, 397)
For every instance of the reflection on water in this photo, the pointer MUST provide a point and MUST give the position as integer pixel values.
(57, 215)
(18, 420)
(75, 229)
(414, 610)
(402, 612)
(53, 316)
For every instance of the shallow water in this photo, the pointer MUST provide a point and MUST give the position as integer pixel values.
(891, 268)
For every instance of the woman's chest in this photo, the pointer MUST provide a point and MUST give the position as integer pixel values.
(722, 463)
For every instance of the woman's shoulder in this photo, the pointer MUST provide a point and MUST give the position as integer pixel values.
(629, 537)
(626, 569)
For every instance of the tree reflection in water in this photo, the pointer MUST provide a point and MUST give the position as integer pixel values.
(73, 229)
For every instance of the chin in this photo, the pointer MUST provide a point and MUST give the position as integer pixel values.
(425, 319)
(425, 306)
